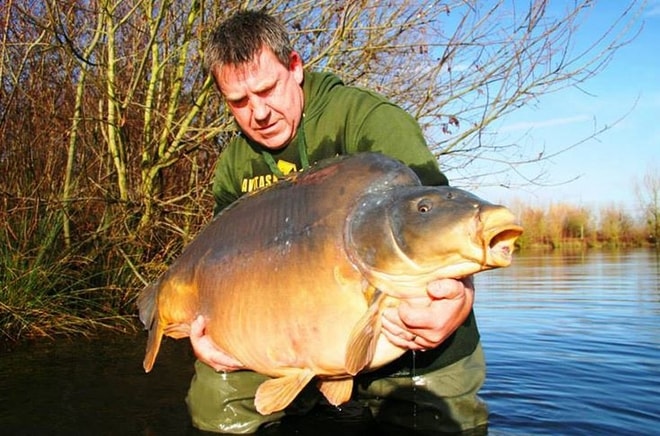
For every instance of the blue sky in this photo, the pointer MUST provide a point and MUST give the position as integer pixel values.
(625, 96)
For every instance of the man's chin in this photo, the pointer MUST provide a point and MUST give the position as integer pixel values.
(274, 143)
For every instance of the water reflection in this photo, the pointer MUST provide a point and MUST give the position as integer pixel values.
(572, 345)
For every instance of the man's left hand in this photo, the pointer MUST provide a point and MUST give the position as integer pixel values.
(422, 323)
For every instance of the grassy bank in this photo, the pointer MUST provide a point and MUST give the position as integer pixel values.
(49, 288)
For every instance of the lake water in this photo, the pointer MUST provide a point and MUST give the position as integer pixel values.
(572, 344)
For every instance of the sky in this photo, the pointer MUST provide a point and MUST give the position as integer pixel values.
(601, 172)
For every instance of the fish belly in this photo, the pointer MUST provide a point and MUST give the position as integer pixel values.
(277, 319)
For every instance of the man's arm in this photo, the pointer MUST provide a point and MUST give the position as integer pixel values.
(223, 188)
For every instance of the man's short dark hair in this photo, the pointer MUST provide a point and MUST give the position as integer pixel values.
(241, 37)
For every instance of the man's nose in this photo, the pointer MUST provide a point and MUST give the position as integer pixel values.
(260, 109)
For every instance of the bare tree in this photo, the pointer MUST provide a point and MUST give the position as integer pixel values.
(648, 193)
(616, 225)
(138, 125)
(461, 66)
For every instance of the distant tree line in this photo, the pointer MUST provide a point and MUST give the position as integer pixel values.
(564, 226)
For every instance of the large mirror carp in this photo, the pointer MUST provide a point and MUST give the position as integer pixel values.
(293, 278)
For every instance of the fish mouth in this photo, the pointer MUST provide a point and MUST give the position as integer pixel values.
(500, 232)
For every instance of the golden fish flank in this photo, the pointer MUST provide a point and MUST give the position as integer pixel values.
(294, 277)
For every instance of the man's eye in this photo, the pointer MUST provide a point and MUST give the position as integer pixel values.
(238, 103)
(266, 92)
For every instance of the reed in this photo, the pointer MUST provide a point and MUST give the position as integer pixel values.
(48, 289)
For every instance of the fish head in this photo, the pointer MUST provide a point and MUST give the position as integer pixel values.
(408, 236)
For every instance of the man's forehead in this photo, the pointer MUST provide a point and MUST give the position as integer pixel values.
(262, 70)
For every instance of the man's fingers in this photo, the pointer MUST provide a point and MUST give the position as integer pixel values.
(197, 327)
(207, 351)
(400, 335)
(449, 288)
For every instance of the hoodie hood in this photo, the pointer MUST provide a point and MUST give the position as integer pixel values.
(316, 88)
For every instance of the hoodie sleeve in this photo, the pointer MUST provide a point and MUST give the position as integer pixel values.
(224, 192)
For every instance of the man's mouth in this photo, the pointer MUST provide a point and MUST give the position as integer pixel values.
(267, 128)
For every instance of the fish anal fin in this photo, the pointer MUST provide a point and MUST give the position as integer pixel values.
(364, 336)
(275, 394)
(336, 391)
(178, 330)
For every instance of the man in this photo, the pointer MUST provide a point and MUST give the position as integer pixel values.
(290, 119)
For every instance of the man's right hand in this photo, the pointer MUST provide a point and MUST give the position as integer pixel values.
(207, 351)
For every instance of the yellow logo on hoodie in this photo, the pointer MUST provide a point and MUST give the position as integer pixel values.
(250, 184)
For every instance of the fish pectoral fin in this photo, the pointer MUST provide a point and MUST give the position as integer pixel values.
(364, 337)
(336, 391)
(275, 394)
(178, 330)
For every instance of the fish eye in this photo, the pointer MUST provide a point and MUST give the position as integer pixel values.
(423, 206)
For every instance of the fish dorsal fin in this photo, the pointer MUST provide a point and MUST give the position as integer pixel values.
(336, 391)
(178, 330)
(275, 394)
(364, 337)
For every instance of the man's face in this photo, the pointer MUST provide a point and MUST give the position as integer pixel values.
(265, 97)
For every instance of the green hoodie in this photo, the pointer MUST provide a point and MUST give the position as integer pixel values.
(337, 120)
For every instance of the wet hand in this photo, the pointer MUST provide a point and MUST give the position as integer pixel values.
(207, 351)
(425, 322)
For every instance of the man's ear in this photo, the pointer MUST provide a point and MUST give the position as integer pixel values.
(296, 66)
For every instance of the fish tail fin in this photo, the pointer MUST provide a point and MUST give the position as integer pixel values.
(153, 346)
(147, 305)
